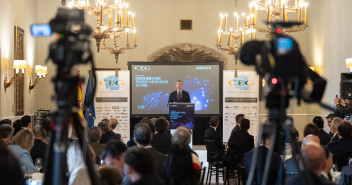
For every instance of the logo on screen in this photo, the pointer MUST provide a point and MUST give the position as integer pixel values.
(203, 67)
(241, 82)
(142, 68)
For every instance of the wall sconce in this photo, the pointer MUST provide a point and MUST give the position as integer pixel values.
(17, 64)
(41, 71)
(349, 63)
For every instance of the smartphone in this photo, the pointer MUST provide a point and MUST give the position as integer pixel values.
(41, 30)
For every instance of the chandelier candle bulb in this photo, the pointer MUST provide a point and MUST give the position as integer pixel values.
(129, 19)
(128, 40)
(87, 2)
(305, 13)
(134, 21)
(225, 21)
(220, 38)
(122, 22)
(110, 18)
(134, 37)
(283, 13)
(220, 21)
(126, 6)
(255, 15)
(116, 13)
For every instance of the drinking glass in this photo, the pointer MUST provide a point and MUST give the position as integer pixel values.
(39, 163)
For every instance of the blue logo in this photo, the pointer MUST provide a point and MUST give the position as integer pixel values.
(111, 82)
(242, 82)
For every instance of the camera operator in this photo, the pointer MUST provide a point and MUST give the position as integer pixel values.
(343, 107)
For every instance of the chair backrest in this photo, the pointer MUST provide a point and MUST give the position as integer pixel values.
(201, 180)
(212, 151)
(347, 180)
(232, 157)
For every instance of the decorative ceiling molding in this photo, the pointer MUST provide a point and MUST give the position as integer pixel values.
(186, 52)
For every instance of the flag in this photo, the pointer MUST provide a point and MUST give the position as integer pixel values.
(80, 101)
(89, 113)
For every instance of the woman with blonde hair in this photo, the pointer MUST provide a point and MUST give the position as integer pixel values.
(22, 143)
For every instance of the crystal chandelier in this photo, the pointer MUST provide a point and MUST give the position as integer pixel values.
(121, 24)
(278, 10)
(232, 36)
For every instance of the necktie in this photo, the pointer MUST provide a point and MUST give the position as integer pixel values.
(179, 96)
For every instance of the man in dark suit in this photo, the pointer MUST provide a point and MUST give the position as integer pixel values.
(260, 162)
(336, 122)
(244, 141)
(107, 134)
(344, 145)
(179, 95)
(212, 134)
(143, 137)
(323, 136)
(93, 138)
(239, 117)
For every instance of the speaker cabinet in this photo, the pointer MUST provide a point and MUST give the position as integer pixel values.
(346, 85)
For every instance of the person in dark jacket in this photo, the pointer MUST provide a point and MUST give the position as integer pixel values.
(323, 136)
(212, 134)
(39, 147)
(107, 134)
(161, 140)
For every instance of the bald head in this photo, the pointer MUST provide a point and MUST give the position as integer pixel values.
(314, 157)
(310, 138)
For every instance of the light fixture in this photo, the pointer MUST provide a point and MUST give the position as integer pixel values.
(121, 24)
(278, 11)
(17, 65)
(41, 71)
(349, 63)
(234, 34)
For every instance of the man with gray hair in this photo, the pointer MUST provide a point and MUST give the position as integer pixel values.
(182, 135)
(93, 140)
(107, 134)
(336, 122)
(6, 133)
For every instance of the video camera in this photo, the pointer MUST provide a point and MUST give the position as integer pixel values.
(280, 60)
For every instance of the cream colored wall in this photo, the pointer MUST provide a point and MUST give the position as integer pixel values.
(326, 41)
(21, 13)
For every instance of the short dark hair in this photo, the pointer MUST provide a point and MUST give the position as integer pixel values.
(142, 133)
(239, 117)
(179, 81)
(345, 130)
(318, 121)
(25, 120)
(6, 130)
(330, 116)
(5, 121)
(310, 128)
(146, 120)
(113, 149)
(162, 125)
(214, 121)
(93, 134)
(245, 124)
(109, 176)
(17, 126)
(104, 126)
(140, 159)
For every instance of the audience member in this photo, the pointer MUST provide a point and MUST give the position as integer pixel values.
(113, 126)
(182, 135)
(328, 164)
(161, 140)
(109, 176)
(143, 137)
(107, 134)
(336, 122)
(343, 107)
(147, 121)
(113, 155)
(93, 140)
(324, 137)
(26, 122)
(6, 121)
(241, 141)
(314, 157)
(17, 126)
(310, 128)
(212, 135)
(6, 133)
(78, 173)
(10, 169)
(39, 147)
(344, 145)
(22, 143)
(179, 166)
(139, 166)
(263, 150)
(239, 117)
(329, 119)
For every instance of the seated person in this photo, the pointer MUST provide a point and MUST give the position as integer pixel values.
(342, 149)
(263, 150)
(323, 136)
(139, 167)
(39, 147)
(336, 122)
(22, 143)
(211, 134)
(161, 140)
(109, 176)
(243, 141)
(6, 132)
